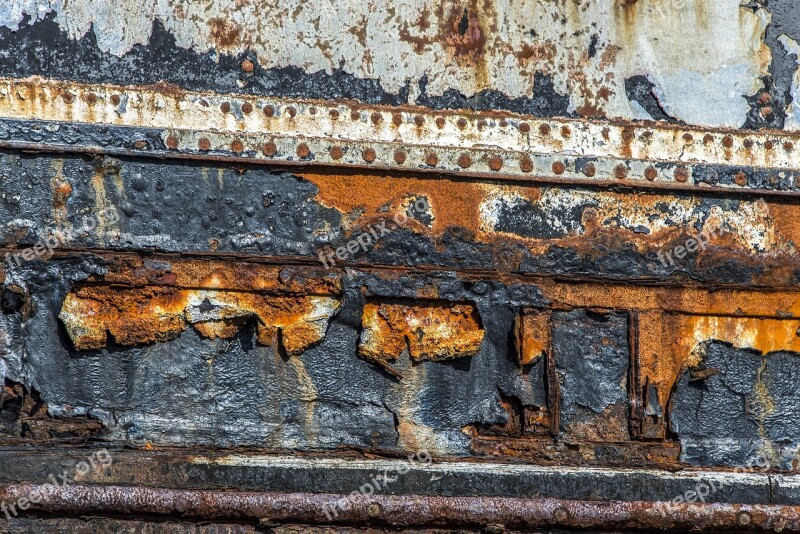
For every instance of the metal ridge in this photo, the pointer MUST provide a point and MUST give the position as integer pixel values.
(168, 121)
(405, 510)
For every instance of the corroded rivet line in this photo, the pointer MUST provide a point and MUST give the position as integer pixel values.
(589, 169)
(748, 143)
(355, 115)
(495, 162)
(419, 120)
(204, 144)
(336, 152)
(788, 146)
(269, 111)
(172, 142)
(681, 174)
(650, 173)
(621, 171)
(440, 122)
(431, 159)
(115, 99)
(544, 129)
(369, 155)
(399, 157)
(461, 123)
(727, 141)
(524, 127)
(559, 167)
(740, 178)
(464, 161)
(526, 164)
(247, 107)
(225, 107)
(237, 146)
(397, 119)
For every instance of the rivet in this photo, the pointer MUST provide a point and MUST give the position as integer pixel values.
(620, 171)
(419, 120)
(204, 143)
(237, 146)
(172, 142)
(544, 129)
(376, 118)
(334, 114)
(681, 174)
(67, 96)
(687, 138)
(765, 98)
(462, 123)
(269, 111)
(560, 514)
(727, 141)
(559, 167)
(744, 518)
(399, 157)
(589, 169)
(495, 162)
(708, 139)
(369, 155)
(524, 127)
(748, 143)
(526, 164)
(397, 119)
(482, 124)
(312, 110)
(374, 510)
(740, 178)
(225, 107)
(565, 131)
(247, 65)
(464, 161)
(247, 107)
(431, 159)
(91, 98)
(503, 123)
(650, 173)
(269, 149)
(628, 135)
(336, 152)
(291, 111)
(355, 115)
(766, 111)
(303, 151)
(440, 122)
(140, 144)
(115, 100)
(788, 146)
(769, 145)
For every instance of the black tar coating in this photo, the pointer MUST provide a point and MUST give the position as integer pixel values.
(641, 90)
(198, 391)
(784, 20)
(178, 206)
(748, 414)
(43, 49)
(592, 357)
(172, 470)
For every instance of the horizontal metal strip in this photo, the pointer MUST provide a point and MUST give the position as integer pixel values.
(479, 163)
(408, 138)
(404, 510)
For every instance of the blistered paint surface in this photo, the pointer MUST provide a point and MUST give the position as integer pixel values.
(702, 61)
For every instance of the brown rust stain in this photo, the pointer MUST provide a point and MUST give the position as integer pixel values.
(428, 330)
(154, 314)
(224, 32)
(532, 335)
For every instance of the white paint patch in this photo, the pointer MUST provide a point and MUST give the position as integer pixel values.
(793, 109)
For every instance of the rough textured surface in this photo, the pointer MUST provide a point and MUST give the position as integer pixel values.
(535, 57)
(744, 413)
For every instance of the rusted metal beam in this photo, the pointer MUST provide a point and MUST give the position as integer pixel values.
(496, 145)
(406, 510)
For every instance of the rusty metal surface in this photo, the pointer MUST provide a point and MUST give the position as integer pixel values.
(412, 511)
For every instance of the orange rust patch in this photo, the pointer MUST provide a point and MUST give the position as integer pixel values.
(532, 332)
(429, 331)
(155, 314)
